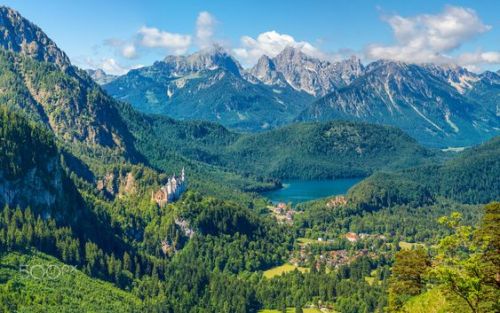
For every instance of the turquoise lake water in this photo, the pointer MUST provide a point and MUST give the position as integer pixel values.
(296, 191)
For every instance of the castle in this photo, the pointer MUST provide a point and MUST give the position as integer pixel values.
(171, 191)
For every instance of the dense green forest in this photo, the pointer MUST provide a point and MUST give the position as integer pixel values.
(217, 249)
(77, 172)
(470, 177)
(304, 150)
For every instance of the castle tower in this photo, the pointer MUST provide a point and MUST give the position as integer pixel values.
(171, 191)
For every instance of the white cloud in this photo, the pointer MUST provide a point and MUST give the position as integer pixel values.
(431, 38)
(473, 60)
(122, 48)
(109, 65)
(129, 51)
(205, 26)
(152, 37)
(271, 43)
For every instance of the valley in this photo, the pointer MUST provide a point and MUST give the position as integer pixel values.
(198, 185)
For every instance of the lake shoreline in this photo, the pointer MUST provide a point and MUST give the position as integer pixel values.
(297, 191)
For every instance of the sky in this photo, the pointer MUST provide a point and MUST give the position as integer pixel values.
(120, 35)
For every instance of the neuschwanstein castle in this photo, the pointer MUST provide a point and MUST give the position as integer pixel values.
(171, 191)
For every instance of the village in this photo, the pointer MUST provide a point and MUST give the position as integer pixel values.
(326, 251)
(284, 213)
(329, 253)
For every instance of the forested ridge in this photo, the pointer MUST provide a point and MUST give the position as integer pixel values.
(78, 170)
(470, 177)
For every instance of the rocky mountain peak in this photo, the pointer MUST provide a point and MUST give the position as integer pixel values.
(265, 71)
(350, 69)
(19, 35)
(212, 58)
(265, 63)
(294, 56)
(491, 76)
(458, 77)
(290, 53)
(312, 75)
(100, 76)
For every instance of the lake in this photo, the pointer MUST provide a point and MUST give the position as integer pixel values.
(297, 191)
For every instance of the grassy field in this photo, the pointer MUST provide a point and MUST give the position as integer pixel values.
(292, 310)
(371, 279)
(408, 245)
(431, 301)
(33, 288)
(306, 240)
(278, 270)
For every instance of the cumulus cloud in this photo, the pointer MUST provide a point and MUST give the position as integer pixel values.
(123, 48)
(205, 27)
(491, 57)
(129, 51)
(431, 38)
(271, 43)
(109, 65)
(152, 37)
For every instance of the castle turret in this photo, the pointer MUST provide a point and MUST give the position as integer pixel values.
(172, 190)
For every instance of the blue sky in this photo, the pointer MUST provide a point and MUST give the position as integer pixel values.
(118, 35)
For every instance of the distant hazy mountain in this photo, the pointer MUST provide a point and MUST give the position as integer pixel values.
(100, 77)
(487, 89)
(306, 73)
(87, 121)
(209, 85)
(438, 105)
(212, 85)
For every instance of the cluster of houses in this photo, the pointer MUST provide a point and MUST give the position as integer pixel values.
(283, 213)
(331, 259)
(336, 258)
(353, 237)
(336, 201)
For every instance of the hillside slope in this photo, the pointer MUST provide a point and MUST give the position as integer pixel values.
(64, 289)
(302, 150)
(420, 100)
(32, 174)
(471, 177)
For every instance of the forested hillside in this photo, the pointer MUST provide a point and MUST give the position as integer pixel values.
(303, 150)
(32, 173)
(78, 171)
(470, 177)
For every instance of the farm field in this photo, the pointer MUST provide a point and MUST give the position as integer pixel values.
(292, 310)
(409, 245)
(285, 268)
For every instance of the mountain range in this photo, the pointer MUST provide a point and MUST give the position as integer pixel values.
(439, 105)
(208, 85)
(78, 170)
(95, 132)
